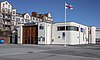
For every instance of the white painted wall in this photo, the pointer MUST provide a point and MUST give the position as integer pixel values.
(98, 33)
(72, 37)
(20, 33)
(86, 35)
(93, 35)
(41, 33)
(46, 33)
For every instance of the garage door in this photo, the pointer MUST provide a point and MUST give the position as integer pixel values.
(30, 34)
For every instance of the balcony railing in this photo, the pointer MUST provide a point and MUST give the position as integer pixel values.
(7, 18)
(7, 23)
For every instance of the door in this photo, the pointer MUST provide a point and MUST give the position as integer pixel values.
(30, 34)
(16, 39)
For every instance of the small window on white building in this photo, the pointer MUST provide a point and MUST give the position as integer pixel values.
(26, 20)
(58, 36)
(3, 5)
(8, 10)
(41, 27)
(43, 38)
(17, 19)
(23, 20)
(27, 16)
(3, 10)
(63, 35)
(82, 30)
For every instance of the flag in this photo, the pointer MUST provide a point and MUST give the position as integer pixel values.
(68, 6)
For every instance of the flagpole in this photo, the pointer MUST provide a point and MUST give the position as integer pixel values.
(65, 26)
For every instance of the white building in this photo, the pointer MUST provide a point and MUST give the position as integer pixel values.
(6, 9)
(44, 33)
(44, 22)
(98, 34)
(75, 34)
(55, 33)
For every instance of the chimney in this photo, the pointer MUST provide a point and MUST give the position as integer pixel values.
(34, 14)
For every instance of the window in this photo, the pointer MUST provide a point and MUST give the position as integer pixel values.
(13, 12)
(17, 19)
(58, 36)
(73, 28)
(8, 10)
(3, 5)
(13, 17)
(43, 38)
(27, 16)
(82, 29)
(8, 6)
(23, 20)
(26, 21)
(6, 3)
(61, 28)
(41, 27)
(63, 35)
(68, 28)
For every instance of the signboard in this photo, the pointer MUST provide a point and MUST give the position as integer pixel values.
(28, 24)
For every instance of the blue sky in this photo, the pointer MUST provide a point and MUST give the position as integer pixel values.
(86, 12)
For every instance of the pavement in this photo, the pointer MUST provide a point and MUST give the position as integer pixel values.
(49, 52)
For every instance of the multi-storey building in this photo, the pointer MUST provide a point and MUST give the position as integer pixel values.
(7, 19)
(6, 10)
(13, 19)
(1, 21)
(42, 17)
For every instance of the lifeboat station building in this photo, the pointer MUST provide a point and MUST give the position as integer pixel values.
(54, 33)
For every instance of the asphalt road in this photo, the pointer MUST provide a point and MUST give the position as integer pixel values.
(49, 52)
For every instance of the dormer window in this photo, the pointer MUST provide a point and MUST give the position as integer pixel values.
(27, 16)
